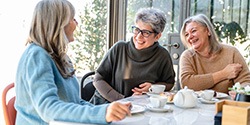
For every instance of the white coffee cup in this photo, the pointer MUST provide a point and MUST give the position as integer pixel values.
(158, 101)
(157, 88)
(207, 94)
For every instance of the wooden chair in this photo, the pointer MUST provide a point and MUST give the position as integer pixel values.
(87, 90)
(9, 111)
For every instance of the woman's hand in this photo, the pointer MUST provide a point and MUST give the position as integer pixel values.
(232, 70)
(142, 88)
(117, 111)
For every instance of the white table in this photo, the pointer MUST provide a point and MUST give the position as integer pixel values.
(202, 114)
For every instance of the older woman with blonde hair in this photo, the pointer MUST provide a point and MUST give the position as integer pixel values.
(46, 86)
(207, 63)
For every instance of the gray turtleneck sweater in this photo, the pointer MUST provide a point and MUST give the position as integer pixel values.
(124, 67)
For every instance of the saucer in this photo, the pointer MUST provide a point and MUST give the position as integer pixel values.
(137, 109)
(152, 93)
(166, 108)
(212, 101)
(220, 95)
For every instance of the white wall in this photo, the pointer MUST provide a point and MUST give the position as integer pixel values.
(14, 21)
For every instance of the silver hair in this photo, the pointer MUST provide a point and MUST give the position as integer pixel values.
(152, 16)
(203, 20)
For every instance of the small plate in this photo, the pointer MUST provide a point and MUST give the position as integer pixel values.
(166, 108)
(220, 95)
(152, 94)
(137, 109)
(214, 100)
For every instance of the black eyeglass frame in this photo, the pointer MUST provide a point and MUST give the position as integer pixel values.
(145, 33)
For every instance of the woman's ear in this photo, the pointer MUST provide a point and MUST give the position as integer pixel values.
(158, 36)
(208, 32)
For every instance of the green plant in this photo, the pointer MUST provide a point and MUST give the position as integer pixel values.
(233, 34)
(90, 35)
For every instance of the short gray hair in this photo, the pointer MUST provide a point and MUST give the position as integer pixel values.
(152, 16)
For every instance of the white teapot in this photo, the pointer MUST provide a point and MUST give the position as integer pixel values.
(185, 98)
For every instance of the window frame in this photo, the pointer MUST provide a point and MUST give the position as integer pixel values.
(116, 21)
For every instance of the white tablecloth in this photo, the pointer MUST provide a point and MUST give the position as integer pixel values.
(202, 114)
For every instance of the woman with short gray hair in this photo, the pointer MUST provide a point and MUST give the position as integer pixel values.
(130, 68)
(154, 17)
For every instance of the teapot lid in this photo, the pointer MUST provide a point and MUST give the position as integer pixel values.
(186, 89)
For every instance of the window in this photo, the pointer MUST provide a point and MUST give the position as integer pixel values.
(90, 42)
(102, 23)
(231, 20)
(171, 11)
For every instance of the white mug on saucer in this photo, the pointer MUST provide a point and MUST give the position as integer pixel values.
(158, 101)
(207, 94)
(157, 89)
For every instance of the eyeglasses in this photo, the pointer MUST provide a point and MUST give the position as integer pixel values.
(75, 21)
(144, 33)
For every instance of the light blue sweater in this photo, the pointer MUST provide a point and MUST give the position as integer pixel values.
(42, 94)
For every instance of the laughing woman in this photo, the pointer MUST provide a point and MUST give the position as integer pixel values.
(130, 68)
(207, 63)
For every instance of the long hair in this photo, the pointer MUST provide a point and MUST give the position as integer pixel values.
(202, 19)
(47, 30)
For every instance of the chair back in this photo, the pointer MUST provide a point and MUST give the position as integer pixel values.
(87, 90)
(9, 110)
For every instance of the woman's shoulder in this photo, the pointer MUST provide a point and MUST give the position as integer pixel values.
(35, 51)
(188, 53)
(162, 49)
(35, 48)
(119, 45)
(229, 48)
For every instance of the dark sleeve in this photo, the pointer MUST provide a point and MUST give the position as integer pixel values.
(105, 89)
(168, 73)
(104, 74)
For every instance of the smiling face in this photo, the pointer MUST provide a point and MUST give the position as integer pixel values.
(142, 42)
(197, 36)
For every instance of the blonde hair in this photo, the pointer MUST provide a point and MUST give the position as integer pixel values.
(202, 19)
(47, 30)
